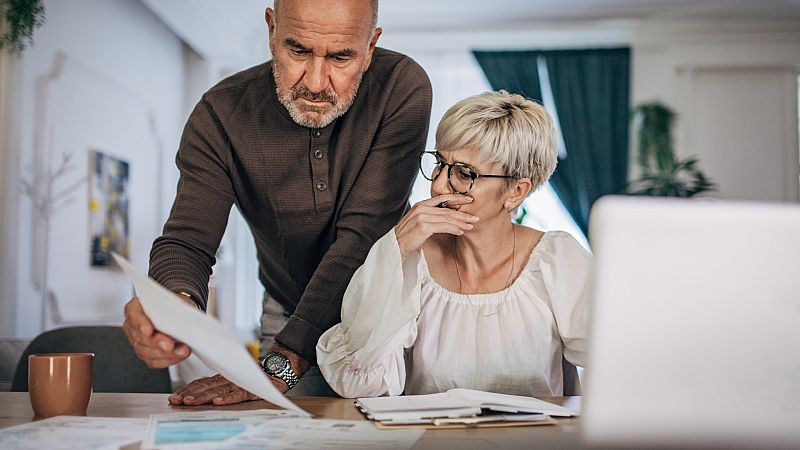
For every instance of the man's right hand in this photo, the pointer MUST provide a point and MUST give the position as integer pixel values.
(156, 349)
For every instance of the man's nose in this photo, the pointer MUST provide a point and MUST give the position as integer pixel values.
(316, 76)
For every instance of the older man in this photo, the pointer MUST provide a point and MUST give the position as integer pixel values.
(318, 149)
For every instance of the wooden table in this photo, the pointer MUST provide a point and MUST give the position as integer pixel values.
(15, 409)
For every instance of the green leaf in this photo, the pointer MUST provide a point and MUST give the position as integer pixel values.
(663, 174)
(21, 17)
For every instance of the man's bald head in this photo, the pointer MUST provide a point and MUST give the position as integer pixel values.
(373, 4)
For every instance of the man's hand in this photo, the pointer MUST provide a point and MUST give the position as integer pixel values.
(217, 390)
(156, 349)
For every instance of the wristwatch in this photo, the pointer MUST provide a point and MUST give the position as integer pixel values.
(277, 365)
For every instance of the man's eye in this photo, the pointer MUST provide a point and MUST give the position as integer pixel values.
(340, 58)
(297, 52)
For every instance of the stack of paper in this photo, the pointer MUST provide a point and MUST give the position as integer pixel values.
(461, 407)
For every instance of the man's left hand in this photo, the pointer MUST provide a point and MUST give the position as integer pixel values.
(217, 390)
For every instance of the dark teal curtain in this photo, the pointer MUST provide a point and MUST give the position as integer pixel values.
(591, 93)
(515, 72)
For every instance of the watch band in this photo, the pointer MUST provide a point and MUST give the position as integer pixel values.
(287, 374)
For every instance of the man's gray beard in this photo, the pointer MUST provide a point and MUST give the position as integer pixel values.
(289, 100)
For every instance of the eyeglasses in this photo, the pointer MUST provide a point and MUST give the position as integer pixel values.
(460, 175)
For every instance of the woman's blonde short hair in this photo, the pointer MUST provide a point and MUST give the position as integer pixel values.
(506, 129)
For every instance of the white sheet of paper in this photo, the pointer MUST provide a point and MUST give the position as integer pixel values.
(71, 432)
(204, 429)
(208, 338)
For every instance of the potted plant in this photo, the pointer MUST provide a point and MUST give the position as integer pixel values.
(21, 18)
(662, 173)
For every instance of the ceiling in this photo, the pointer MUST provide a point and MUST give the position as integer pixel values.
(233, 29)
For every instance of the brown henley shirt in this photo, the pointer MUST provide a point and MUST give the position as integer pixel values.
(315, 199)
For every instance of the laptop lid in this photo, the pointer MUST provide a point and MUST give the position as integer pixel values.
(695, 334)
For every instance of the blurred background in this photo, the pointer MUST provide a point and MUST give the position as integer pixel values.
(91, 112)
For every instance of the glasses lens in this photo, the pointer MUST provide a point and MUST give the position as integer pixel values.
(461, 178)
(429, 165)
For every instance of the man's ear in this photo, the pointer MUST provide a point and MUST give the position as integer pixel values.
(518, 191)
(373, 41)
(269, 17)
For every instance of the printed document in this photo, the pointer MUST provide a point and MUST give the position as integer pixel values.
(71, 432)
(204, 428)
(267, 429)
(299, 433)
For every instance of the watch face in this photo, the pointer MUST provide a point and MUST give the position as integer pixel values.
(275, 363)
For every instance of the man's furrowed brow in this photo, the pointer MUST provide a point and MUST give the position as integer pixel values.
(345, 53)
(289, 42)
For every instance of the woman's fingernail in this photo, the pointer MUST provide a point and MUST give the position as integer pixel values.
(181, 351)
(218, 399)
(189, 397)
(164, 346)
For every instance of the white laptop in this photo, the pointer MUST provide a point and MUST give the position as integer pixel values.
(695, 336)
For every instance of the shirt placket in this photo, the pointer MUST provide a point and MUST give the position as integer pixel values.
(318, 154)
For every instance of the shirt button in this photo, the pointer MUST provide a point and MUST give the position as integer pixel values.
(316, 133)
(318, 154)
(321, 186)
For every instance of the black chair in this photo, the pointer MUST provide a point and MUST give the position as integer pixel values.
(572, 384)
(116, 366)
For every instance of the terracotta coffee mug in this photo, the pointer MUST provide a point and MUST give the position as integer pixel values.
(60, 384)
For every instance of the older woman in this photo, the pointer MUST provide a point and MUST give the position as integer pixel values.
(457, 295)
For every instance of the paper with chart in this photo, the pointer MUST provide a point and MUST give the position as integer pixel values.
(330, 434)
(204, 429)
(282, 429)
(208, 339)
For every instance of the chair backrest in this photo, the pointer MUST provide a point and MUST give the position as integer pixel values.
(116, 366)
(572, 384)
(10, 351)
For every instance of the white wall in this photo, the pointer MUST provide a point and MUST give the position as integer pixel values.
(106, 75)
(734, 88)
(5, 91)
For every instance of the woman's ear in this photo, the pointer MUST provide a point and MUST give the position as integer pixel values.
(517, 192)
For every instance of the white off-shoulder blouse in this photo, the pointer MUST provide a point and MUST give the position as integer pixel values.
(401, 332)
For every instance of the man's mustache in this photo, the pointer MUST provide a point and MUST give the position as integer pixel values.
(324, 96)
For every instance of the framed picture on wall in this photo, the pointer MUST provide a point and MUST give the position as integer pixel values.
(108, 208)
